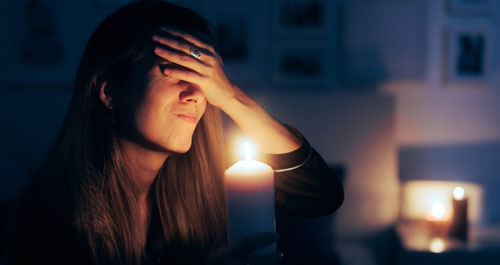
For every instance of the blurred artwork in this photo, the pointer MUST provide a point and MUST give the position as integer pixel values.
(302, 65)
(232, 39)
(39, 43)
(471, 54)
(42, 44)
(301, 14)
(309, 17)
(239, 37)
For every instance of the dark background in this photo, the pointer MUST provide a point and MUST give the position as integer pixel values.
(372, 84)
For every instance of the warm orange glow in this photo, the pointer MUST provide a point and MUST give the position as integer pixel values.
(437, 245)
(248, 174)
(247, 150)
(420, 197)
(235, 141)
(437, 210)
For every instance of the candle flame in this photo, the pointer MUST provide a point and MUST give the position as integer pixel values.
(458, 193)
(438, 210)
(247, 150)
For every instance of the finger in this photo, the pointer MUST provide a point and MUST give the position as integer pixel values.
(181, 59)
(173, 43)
(219, 59)
(185, 75)
(190, 38)
(250, 243)
(267, 259)
(184, 46)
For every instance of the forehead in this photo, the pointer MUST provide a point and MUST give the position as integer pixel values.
(148, 61)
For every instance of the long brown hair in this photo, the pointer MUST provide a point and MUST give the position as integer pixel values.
(85, 175)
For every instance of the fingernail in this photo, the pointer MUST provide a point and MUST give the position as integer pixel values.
(156, 37)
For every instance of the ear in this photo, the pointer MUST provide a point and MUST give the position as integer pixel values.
(104, 89)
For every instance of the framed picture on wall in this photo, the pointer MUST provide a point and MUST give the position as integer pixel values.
(303, 17)
(37, 44)
(471, 7)
(470, 52)
(302, 66)
(240, 39)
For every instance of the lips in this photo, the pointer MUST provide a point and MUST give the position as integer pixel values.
(187, 117)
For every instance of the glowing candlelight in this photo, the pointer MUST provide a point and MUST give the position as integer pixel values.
(247, 151)
(458, 193)
(249, 199)
(438, 219)
(437, 245)
(437, 210)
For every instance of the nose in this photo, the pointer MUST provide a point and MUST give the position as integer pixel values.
(192, 93)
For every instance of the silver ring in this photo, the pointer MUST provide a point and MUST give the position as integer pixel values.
(195, 52)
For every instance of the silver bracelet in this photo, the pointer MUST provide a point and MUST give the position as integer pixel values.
(295, 167)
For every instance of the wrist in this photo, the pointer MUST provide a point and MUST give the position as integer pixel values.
(238, 102)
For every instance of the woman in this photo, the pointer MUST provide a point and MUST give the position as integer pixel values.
(135, 175)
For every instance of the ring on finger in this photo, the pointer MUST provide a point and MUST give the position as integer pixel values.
(195, 52)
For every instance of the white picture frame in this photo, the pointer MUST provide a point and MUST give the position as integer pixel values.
(41, 49)
(470, 52)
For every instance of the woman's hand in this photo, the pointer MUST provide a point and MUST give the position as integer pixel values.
(239, 253)
(206, 71)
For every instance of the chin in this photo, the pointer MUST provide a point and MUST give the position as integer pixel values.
(181, 149)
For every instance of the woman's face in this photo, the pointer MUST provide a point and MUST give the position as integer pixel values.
(162, 112)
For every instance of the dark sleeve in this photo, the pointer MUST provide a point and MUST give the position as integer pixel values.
(304, 184)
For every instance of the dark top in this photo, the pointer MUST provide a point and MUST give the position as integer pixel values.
(304, 186)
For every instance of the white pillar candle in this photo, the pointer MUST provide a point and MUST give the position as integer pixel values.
(249, 200)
